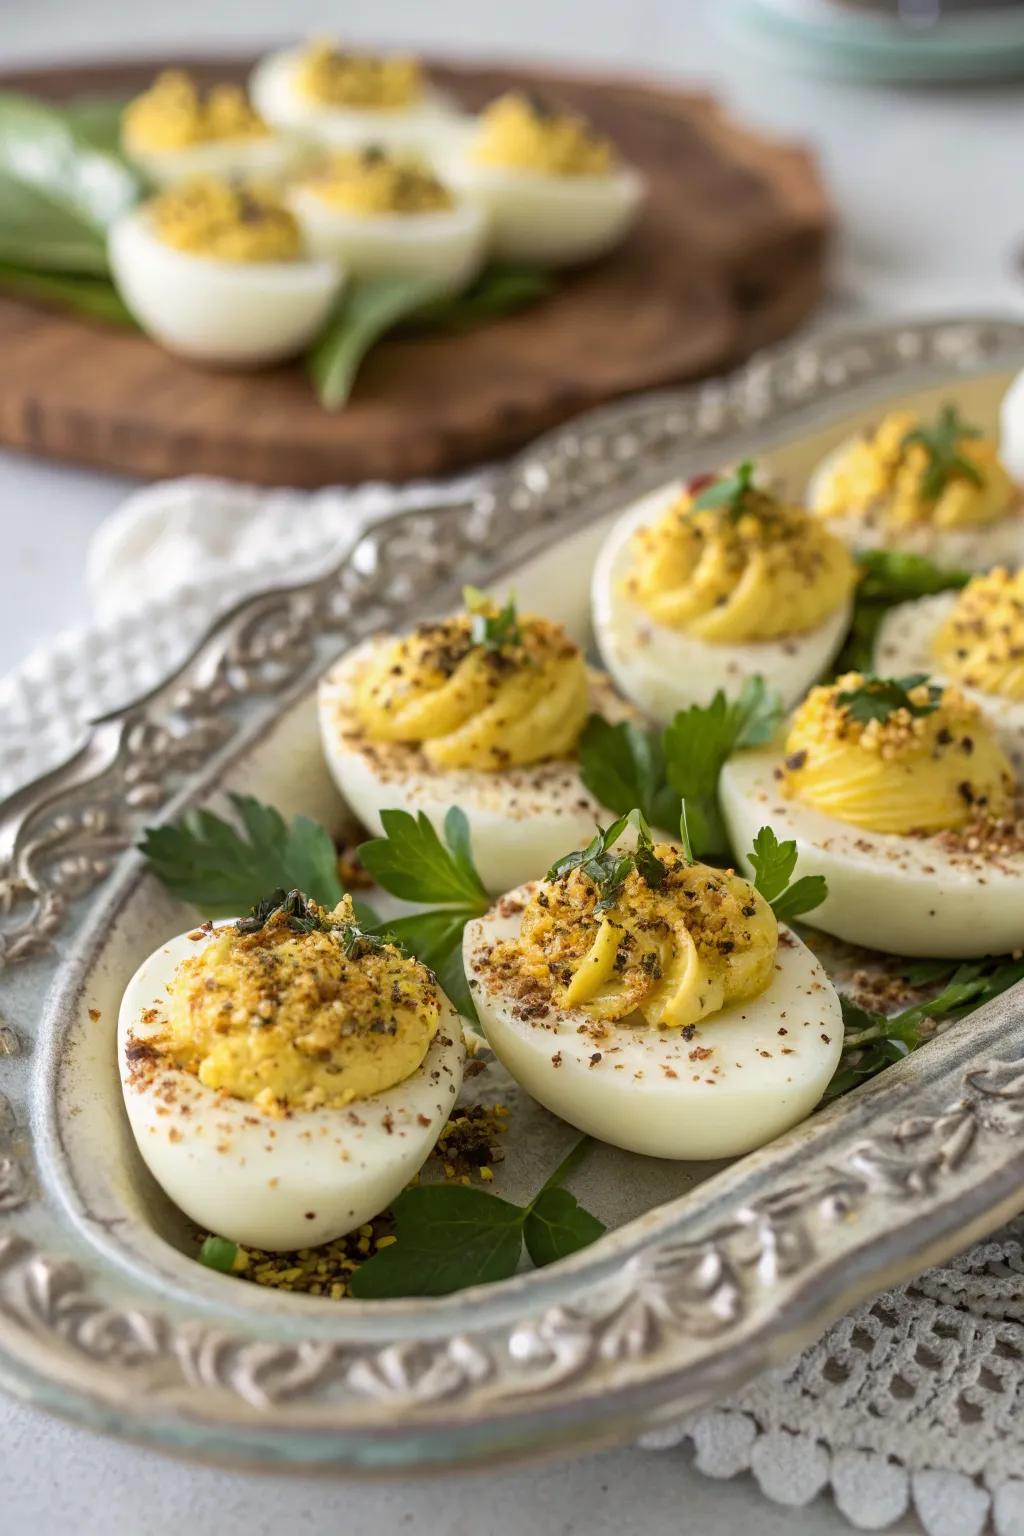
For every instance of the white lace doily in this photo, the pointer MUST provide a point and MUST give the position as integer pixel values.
(912, 1404)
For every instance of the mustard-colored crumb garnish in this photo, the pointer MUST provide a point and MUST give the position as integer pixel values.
(928, 764)
(470, 704)
(371, 181)
(725, 575)
(668, 956)
(518, 133)
(883, 478)
(981, 644)
(296, 1020)
(207, 216)
(175, 114)
(334, 77)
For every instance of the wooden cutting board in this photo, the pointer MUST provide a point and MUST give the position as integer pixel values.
(729, 255)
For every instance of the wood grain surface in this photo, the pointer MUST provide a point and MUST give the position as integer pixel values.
(729, 255)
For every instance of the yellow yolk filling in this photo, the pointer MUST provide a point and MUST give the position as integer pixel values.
(982, 642)
(175, 114)
(468, 706)
(336, 78)
(288, 1021)
(519, 134)
(670, 956)
(210, 217)
(908, 773)
(769, 571)
(878, 476)
(370, 181)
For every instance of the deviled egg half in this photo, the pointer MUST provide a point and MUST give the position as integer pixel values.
(217, 272)
(973, 638)
(380, 213)
(929, 488)
(898, 792)
(699, 588)
(340, 97)
(555, 191)
(285, 1076)
(174, 131)
(482, 710)
(672, 1015)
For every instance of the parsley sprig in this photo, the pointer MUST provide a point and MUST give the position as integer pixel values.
(626, 766)
(490, 626)
(879, 697)
(944, 461)
(888, 577)
(608, 869)
(451, 1236)
(729, 492)
(774, 865)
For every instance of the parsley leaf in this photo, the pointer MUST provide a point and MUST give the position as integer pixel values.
(774, 864)
(944, 461)
(451, 1236)
(729, 491)
(609, 870)
(490, 626)
(877, 698)
(223, 869)
(888, 577)
(624, 766)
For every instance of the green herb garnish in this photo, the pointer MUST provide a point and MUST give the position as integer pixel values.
(608, 869)
(872, 1041)
(879, 697)
(218, 1253)
(941, 443)
(490, 626)
(300, 915)
(888, 577)
(83, 292)
(730, 491)
(626, 766)
(499, 290)
(774, 865)
(451, 1236)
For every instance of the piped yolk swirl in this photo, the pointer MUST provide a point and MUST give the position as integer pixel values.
(335, 77)
(905, 774)
(981, 644)
(519, 133)
(208, 216)
(175, 114)
(370, 181)
(768, 571)
(667, 957)
(470, 706)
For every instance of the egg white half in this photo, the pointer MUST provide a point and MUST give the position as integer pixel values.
(448, 245)
(520, 820)
(664, 670)
(275, 96)
(904, 646)
(977, 548)
(229, 312)
(903, 895)
(262, 156)
(730, 1084)
(267, 1181)
(551, 221)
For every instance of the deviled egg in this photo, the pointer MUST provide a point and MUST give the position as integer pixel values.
(930, 488)
(482, 710)
(973, 638)
(285, 1076)
(554, 189)
(701, 587)
(175, 131)
(672, 1015)
(335, 96)
(898, 792)
(217, 272)
(378, 213)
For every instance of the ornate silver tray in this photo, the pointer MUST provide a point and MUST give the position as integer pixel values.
(703, 1282)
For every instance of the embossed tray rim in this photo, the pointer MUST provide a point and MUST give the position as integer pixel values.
(659, 1322)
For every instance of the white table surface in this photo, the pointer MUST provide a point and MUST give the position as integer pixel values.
(928, 191)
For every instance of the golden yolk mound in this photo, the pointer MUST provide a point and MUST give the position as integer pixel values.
(336, 78)
(764, 571)
(881, 477)
(670, 956)
(290, 1021)
(518, 133)
(175, 114)
(370, 181)
(982, 642)
(210, 217)
(907, 772)
(473, 705)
